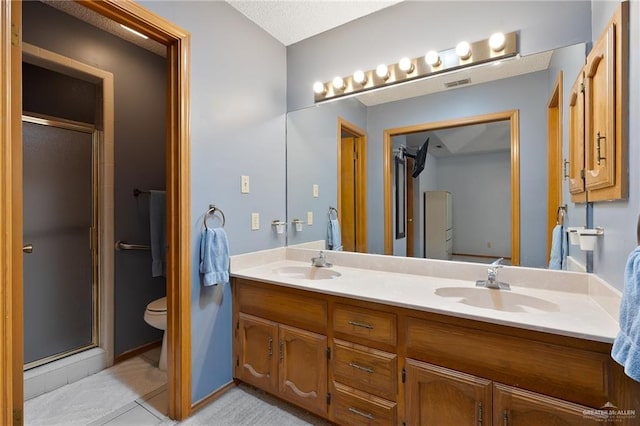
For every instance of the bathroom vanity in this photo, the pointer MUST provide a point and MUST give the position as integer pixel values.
(378, 340)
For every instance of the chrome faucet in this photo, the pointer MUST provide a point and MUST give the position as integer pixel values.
(320, 261)
(492, 274)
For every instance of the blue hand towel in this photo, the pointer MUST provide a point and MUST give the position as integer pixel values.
(334, 239)
(626, 347)
(158, 232)
(559, 248)
(214, 256)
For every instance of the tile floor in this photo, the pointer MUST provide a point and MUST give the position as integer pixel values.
(133, 393)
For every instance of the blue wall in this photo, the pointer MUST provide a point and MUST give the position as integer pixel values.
(413, 27)
(238, 105)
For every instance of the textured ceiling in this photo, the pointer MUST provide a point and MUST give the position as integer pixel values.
(295, 20)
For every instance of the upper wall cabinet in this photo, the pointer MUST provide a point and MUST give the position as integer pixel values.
(598, 114)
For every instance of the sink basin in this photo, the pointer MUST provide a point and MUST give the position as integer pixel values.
(498, 300)
(307, 272)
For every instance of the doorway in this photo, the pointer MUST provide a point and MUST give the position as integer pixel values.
(556, 167)
(178, 202)
(511, 117)
(352, 188)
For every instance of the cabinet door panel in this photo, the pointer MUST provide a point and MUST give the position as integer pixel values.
(303, 368)
(439, 396)
(517, 407)
(258, 361)
(600, 113)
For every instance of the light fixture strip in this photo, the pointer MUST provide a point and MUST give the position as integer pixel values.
(480, 52)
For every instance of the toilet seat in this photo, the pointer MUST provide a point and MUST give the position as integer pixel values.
(158, 306)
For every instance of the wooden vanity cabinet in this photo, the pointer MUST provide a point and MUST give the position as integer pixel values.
(362, 363)
(598, 117)
(274, 355)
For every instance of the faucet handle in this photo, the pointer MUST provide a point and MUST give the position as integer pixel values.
(498, 263)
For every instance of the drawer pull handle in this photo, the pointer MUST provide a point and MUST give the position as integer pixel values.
(361, 324)
(360, 367)
(270, 345)
(361, 413)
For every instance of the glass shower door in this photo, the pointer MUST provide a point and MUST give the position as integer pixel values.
(59, 188)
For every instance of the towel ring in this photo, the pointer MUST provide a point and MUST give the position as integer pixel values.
(331, 210)
(560, 214)
(211, 211)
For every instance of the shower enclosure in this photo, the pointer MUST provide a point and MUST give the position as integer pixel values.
(60, 235)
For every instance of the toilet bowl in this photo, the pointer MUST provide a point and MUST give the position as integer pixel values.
(156, 316)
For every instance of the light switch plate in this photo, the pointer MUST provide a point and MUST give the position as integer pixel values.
(316, 190)
(244, 186)
(255, 221)
(309, 218)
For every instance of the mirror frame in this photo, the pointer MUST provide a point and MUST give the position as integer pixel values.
(513, 116)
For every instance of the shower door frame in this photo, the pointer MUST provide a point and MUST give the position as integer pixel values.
(178, 42)
(96, 209)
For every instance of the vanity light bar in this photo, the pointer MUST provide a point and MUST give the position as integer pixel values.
(411, 69)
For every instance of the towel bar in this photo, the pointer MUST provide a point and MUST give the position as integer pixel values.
(121, 245)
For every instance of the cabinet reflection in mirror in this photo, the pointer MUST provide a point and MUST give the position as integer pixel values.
(499, 196)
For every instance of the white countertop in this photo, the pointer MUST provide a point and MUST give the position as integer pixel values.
(572, 310)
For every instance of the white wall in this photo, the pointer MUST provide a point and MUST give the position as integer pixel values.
(481, 201)
(237, 128)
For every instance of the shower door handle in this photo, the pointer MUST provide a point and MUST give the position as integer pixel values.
(28, 249)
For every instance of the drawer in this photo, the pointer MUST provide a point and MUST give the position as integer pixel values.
(567, 373)
(352, 407)
(375, 326)
(364, 368)
(284, 306)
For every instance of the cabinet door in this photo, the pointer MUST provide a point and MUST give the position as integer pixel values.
(439, 396)
(600, 105)
(515, 407)
(303, 368)
(257, 357)
(576, 140)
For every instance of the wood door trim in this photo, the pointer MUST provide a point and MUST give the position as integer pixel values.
(555, 170)
(178, 201)
(511, 115)
(361, 180)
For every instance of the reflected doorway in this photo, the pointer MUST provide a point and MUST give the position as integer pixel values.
(510, 206)
(352, 188)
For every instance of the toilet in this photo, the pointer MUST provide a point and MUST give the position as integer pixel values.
(156, 316)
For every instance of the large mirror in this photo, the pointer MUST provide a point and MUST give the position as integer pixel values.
(487, 149)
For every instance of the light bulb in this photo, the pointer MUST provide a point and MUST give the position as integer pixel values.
(406, 65)
(382, 71)
(359, 77)
(463, 50)
(338, 83)
(432, 58)
(496, 42)
(319, 88)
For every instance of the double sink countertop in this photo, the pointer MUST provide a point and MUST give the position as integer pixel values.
(559, 302)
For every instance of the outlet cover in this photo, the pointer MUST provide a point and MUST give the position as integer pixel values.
(316, 190)
(255, 221)
(244, 184)
(309, 218)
